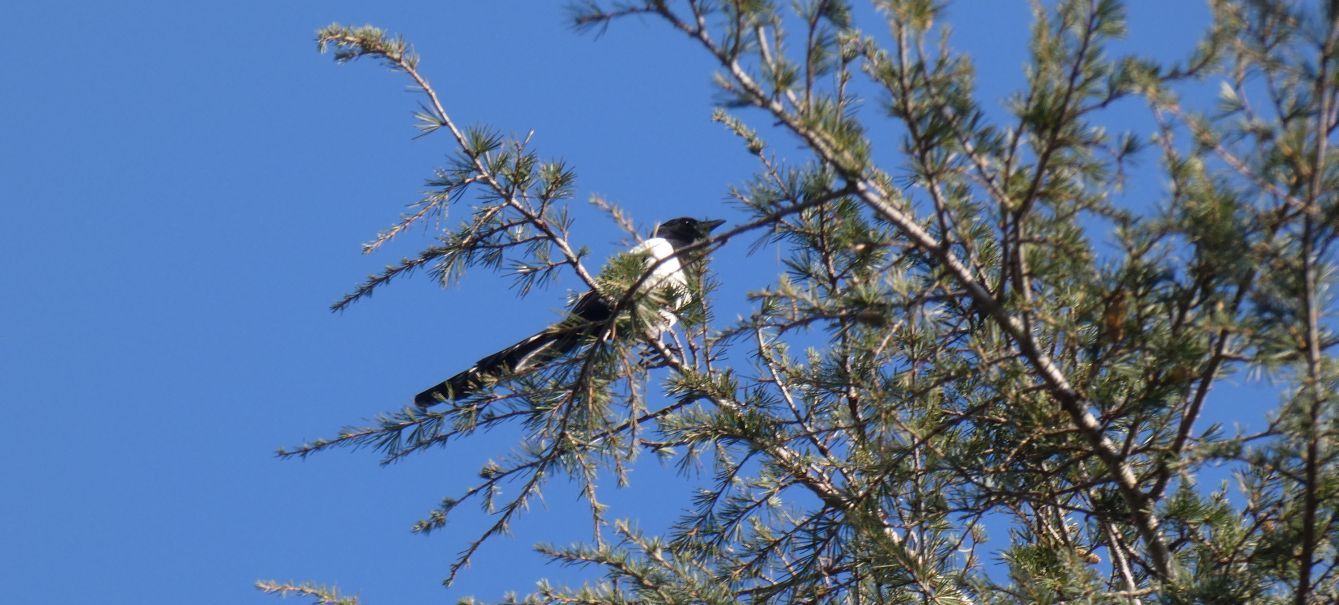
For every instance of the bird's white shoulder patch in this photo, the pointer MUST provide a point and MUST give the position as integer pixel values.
(665, 267)
(656, 247)
(666, 271)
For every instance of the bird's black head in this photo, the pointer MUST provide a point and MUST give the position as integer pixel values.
(684, 231)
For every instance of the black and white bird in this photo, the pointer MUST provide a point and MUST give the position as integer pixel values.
(587, 315)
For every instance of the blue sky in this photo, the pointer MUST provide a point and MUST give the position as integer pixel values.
(183, 191)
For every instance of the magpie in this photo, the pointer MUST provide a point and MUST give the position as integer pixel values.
(587, 315)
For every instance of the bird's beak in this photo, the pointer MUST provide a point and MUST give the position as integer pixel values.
(709, 225)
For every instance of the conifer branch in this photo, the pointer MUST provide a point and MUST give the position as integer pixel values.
(1310, 302)
(882, 201)
(352, 43)
(319, 595)
(943, 350)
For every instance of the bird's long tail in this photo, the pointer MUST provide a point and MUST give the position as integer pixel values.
(526, 355)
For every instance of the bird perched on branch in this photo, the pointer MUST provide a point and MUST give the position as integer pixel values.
(591, 311)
